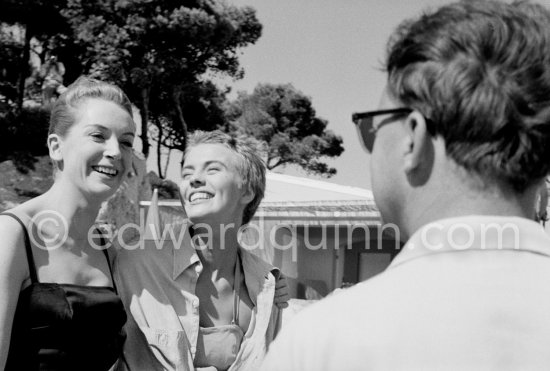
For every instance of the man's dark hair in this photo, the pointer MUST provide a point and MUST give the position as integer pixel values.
(480, 71)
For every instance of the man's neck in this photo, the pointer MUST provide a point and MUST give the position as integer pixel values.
(458, 197)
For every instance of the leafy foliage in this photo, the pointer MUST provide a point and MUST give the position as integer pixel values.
(23, 132)
(39, 19)
(160, 50)
(167, 189)
(164, 54)
(10, 52)
(203, 108)
(284, 119)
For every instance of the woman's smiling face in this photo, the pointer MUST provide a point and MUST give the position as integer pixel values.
(211, 186)
(96, 152)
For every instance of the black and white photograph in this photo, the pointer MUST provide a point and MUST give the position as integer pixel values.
(274, 185)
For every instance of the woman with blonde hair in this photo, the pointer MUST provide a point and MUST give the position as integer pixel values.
(59, 308)
(205, 302)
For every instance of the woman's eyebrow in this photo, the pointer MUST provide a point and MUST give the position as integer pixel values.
(215, 162)
(103, 128)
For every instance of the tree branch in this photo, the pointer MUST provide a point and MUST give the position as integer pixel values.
(278, 163)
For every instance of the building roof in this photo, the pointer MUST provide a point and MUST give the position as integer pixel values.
(285, 188)
(298, 200)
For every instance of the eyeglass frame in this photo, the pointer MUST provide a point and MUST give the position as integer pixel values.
(359, 117)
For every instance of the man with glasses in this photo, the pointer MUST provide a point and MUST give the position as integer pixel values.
(459, 147)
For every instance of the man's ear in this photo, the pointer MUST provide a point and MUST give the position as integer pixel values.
(418, 156)
(55, 147)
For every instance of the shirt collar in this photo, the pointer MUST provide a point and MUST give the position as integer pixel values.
(256, 272)
(475, 232)
(184, 254)
(255, 269)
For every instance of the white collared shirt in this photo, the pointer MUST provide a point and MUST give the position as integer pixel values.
(459, 296)
(157, 286)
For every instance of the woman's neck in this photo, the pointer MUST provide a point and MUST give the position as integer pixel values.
(217, 250)
(76, 212)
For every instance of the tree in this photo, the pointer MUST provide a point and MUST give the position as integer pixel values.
(163, 53)
(158, 49)
(39, 19)
(284, 119)
(203, 108)
(10, 60)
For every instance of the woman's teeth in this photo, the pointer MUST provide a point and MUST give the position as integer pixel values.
(199, 196)
(105, 170)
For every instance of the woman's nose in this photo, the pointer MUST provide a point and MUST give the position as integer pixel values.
(196, 179)
(113, 149)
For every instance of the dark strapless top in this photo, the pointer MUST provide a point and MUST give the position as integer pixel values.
(64, 326)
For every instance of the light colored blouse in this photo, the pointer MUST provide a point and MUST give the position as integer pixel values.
(157, 283)
(218, 345)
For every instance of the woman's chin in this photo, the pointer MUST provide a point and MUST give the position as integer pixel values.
(103, 192)
(197, 219)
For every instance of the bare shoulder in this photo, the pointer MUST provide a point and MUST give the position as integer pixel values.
(13, 258)
(10, 229)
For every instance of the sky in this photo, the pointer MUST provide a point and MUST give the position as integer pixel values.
(333, 52)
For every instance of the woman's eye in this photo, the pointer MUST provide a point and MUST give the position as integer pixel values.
(185, 176)
(97, 136)
(213, 169)
(127, 144)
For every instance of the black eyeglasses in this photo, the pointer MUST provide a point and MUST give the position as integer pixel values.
(365, 127)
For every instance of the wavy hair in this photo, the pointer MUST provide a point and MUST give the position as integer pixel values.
(480, 71)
